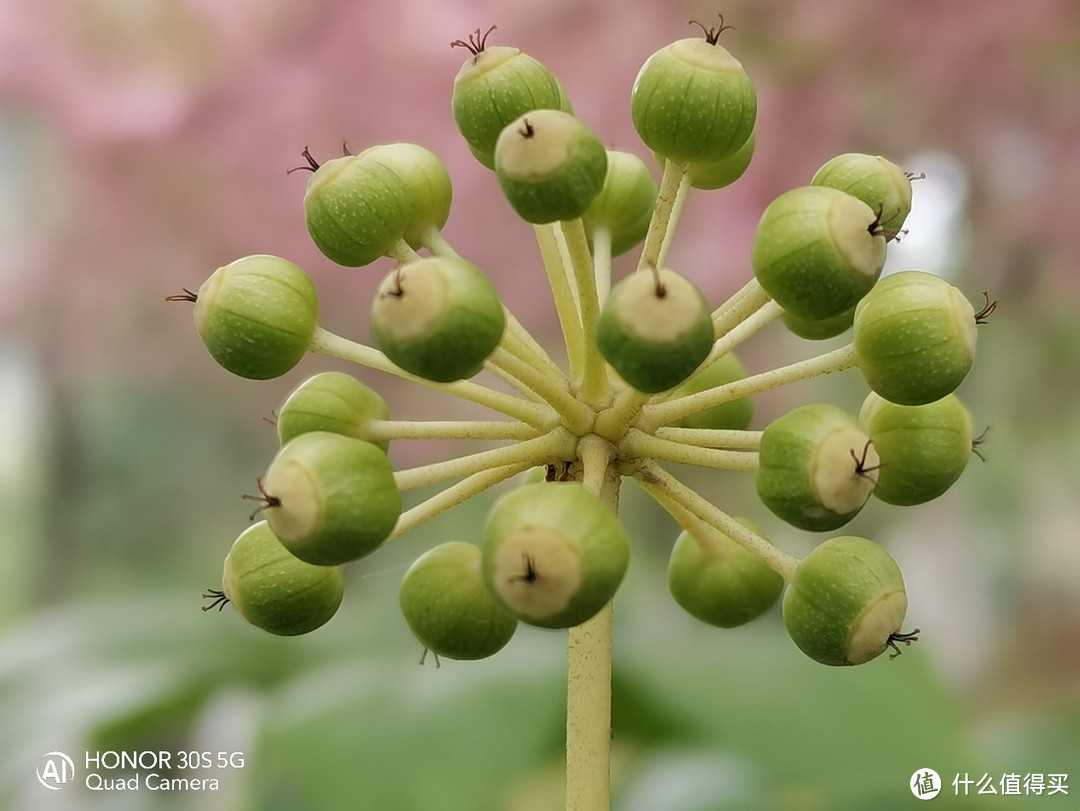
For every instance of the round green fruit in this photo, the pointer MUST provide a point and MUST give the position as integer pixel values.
(553, 553)
(334, 402)
(815, 467)
(495, 86)
(274, 590)
(550, 166)
(448, 608)
(693, 101)
(914, 337)
(817, 251)
(655, 329)
(257, 316)
(357, 209)
(438, 318)
(719, 582)
(330, 498)
(846, 602)
(923, 448)
(625, 204)
(425, 186)
(879, 183)
(821, 329)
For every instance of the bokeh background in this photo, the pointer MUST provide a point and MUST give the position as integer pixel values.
(143, 143)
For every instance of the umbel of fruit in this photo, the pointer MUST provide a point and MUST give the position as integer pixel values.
(846, 602)
(553, 553)
(330, 498)
(449, 609)
(438, 318)
(273, 589)
(655, 329)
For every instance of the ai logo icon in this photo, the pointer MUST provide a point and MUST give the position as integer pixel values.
(56, 771)
(925, 784)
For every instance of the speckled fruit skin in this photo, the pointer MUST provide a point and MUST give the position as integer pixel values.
(338, 497)
(331, 401)
(453, 342)
(356, 210)
(878, 182)
(448, 608)
(493, 88)
(274, 590)
(257, 316)
(734, 415)
(914, 337)
(590, 530)
(790, 463)
(820, 330)
(719, 582)
(718, 174)
(653, 366)
(625, 204)
(424, 182)
(693, 101)
(816, 253)
(925, 448)
(846, 598)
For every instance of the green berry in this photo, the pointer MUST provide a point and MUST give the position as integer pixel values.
(331, 401)
(257, 316)
(425, 186)
(817, 251)
(550, 166)
(448, 608)
(820, 329)
(625, 204)
(655, 329)
(724, 172)
(879, 183)
(553, 553)
(357, 209)
(438, 318)
(693, 101)
(923, 448)
(814, 467)
(274, 590)
(846, 602)
(495, 86)
(733, 415)
(330, 498)
(716, 580)
(914, 337)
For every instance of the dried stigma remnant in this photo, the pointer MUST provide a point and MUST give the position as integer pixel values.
(907, 639)
(476, 43)
(712, 35)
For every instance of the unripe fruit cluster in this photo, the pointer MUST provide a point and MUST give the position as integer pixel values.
(552, 552)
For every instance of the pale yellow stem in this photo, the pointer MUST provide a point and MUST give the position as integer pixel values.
(589, 653)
